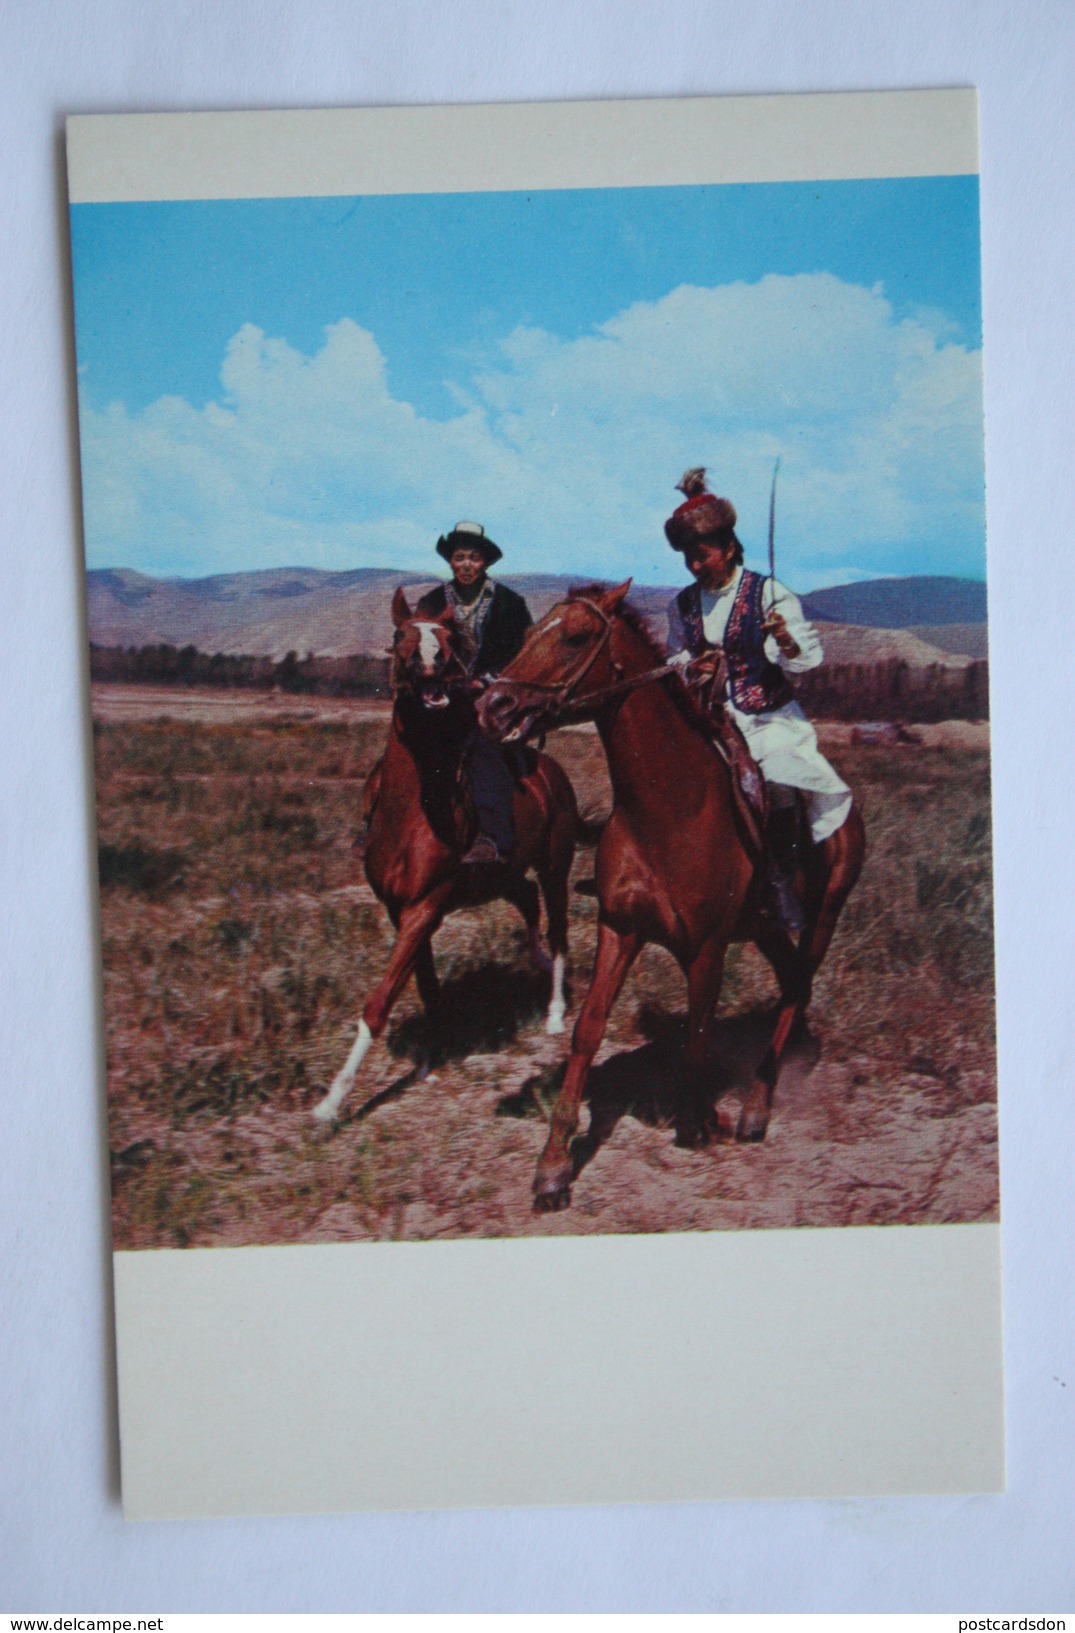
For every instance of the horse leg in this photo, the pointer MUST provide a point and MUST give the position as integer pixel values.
(426, 979)
(523, 894)
(553, 876)
(754, 1117)
(615, 955)
(788, 963)
(704, 978)
(842, 855)
(417, 923)
(554, 889)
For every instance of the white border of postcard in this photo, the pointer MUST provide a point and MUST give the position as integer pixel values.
(802, 1363)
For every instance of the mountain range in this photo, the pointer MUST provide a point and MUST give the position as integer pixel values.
(901, 603)
(304, 609)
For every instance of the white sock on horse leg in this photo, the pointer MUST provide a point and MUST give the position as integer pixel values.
(554, 1020)
(327, 1108)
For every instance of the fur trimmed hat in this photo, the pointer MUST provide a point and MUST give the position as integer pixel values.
(701, 514)
(468, 536)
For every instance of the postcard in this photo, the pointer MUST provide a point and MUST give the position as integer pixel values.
(538, 647)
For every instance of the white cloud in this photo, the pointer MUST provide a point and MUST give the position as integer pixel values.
(568, 450)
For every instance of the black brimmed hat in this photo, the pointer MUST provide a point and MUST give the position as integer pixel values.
(468, 536)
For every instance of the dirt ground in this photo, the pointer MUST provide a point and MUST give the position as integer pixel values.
(240, 936)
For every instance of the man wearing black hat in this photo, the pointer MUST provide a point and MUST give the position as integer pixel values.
(492, 622)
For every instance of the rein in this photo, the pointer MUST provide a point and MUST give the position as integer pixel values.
(561, 695)
(622, 687)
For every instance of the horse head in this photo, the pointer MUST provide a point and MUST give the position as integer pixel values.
(425, 653)
(566, 660)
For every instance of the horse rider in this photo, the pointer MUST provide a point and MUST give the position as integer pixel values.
(754, 627)
(491, 622)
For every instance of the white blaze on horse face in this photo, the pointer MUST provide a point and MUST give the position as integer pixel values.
(554, 1020)
(325, 1111)
(429, 645)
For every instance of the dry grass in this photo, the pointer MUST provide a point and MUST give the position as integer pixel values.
(240, 936)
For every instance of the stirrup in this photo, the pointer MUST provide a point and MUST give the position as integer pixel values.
(484, 854)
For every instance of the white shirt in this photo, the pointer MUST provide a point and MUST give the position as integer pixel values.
(782, 740)
(716, 610)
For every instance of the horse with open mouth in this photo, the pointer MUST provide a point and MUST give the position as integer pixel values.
(421, 825)
(674, 864)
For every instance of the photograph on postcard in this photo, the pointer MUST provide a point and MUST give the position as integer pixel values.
(540, 709)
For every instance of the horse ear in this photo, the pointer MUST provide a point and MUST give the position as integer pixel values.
(613, 599)
(400, 610)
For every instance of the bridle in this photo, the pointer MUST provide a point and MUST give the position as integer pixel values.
(559, 698)
(401, 687)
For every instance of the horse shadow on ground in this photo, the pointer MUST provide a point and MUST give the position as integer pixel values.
(647, 1083)
(481, 1011)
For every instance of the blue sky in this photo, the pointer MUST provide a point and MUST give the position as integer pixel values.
(332, 382)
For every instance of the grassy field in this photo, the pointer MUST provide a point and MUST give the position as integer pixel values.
(240, 937)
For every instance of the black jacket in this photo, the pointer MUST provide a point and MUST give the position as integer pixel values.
(503, 630)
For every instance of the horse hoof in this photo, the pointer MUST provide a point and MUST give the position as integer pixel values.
(693, 1131)
(727, 1121)
(324, 1112)
(552, 1189)
(554, 1026)
(552, 1201)
(752, 1126)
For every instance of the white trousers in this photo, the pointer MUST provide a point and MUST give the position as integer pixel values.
(784, 743)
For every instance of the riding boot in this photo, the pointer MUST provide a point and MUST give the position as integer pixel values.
(782, 865)
(493, 790)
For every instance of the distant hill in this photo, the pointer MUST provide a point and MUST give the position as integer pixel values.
(304, 609)
(266, 613)
(965, 640)
(858, 643)
(901, 603)
(283, 610)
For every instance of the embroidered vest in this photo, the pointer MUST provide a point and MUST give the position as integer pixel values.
(498, 626)
(470, 621)
(755, 684)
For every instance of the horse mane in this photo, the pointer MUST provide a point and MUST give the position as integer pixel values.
(674, 686)
(632, 617)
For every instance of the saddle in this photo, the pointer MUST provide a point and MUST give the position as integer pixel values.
(748, 785)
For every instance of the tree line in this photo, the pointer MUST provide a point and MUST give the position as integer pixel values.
(894, 690)
(165, 665)
(889, 690)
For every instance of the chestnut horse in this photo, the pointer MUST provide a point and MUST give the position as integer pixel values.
(421, 826)
(673, 865)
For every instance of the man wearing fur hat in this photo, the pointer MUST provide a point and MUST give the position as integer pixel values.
(755, 627)
(492, 622)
